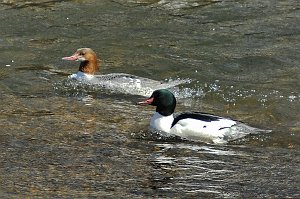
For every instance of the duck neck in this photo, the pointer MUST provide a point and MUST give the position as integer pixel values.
(89, 66)
(161, 122)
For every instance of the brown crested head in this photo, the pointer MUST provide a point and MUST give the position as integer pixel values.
(88, 60)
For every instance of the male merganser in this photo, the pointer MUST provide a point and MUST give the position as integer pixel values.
(120, 82)
(195, 125)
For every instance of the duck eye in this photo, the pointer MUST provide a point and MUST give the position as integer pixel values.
(82, 53)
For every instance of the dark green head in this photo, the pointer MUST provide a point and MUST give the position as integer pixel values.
(164, 101)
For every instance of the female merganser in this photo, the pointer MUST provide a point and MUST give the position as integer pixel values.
(120, 82)
(195, 125)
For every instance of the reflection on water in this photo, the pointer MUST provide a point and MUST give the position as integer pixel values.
(214, 171)
(67, 140)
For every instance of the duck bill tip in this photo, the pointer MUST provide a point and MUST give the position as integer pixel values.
(146, 102)
(141, 103)
(70, 58)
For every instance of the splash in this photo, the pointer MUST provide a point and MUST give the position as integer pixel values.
(235, 93)
(186, 89)
(121, 83)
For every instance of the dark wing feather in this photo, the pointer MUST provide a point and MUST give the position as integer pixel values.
(197, 116)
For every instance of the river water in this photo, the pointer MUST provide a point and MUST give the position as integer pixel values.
(61, 140)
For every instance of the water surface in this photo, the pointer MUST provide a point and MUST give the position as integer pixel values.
(64, 140)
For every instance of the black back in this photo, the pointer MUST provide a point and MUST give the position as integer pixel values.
(197, 116)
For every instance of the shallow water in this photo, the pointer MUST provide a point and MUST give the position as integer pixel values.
(64, 140)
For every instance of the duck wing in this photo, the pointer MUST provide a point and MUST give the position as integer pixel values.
(201, 116)
(204, 126)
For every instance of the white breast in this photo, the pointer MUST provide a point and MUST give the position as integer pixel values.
(80, 76)
(161, 123)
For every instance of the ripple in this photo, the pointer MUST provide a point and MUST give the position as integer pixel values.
(233, 93)
(70, 85)
(20, 5)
